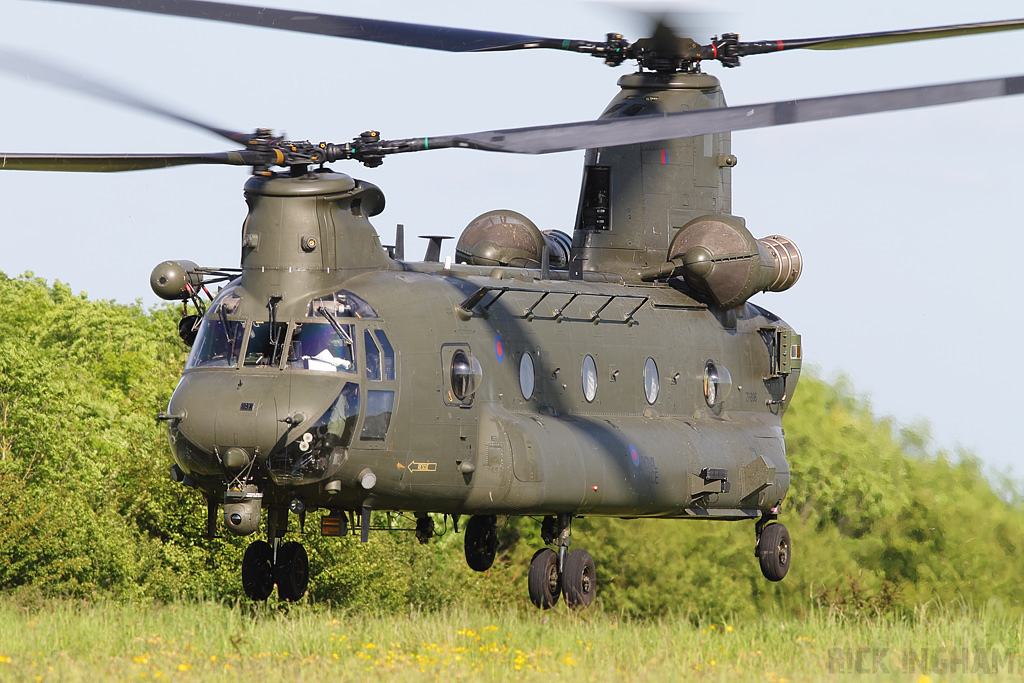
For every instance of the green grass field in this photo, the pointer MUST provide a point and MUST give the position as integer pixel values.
(79, 641)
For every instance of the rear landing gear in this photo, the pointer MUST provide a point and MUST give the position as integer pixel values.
(773, 550)
(544, 581)
(567, 572)
(578, 580)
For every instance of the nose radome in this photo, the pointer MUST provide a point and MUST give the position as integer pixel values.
(226, 410)
(247, 416)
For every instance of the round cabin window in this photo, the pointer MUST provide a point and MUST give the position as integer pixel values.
(527, 376)
(589, 378)
(466, 375)
(717, 383)
(652, 385)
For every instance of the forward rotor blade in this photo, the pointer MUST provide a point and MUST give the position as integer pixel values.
(374, 30)
(20, 64)
(112, 163)
(881, 38)
(639, 129)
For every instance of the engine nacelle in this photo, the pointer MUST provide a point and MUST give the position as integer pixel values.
(719, 258)
(508, 238)
(175, 280)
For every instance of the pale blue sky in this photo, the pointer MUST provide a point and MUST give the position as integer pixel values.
(909, 223)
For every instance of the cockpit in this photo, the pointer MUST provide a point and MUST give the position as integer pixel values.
(335, 336)
(324, 341)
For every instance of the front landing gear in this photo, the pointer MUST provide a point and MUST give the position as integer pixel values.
(285, 564)
(773, 550)
(260, 572)
(481, 542)
(567, 572)
(291, 571)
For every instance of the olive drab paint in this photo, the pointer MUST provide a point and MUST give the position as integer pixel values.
(621, 371)
(642, 396)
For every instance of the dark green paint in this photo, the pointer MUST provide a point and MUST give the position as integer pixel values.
(496, 452)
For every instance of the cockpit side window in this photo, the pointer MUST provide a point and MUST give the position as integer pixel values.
(344, 414)
(321, 347)
(379, 405)
(373, 365)
(389, 354)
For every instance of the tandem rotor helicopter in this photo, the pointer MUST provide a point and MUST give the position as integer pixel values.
(619, 370)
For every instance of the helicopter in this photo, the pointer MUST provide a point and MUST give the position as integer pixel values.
(511, 384)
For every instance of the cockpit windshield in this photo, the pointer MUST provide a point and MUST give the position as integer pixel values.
(265, 341)
(322, 347)
(217, 344)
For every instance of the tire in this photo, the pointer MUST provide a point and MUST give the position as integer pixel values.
(481, 542)
(579, 581)
(292, 571)
(258, 570)
(543, 581)
(774, 552)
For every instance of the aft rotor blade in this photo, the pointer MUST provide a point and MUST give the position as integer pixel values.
(375, 30)
(20, 64)
(880, 38)
(111, 163)
(639, 129)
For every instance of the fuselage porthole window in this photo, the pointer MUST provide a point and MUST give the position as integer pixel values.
(589, 378)
(652, 384)
(465, 376)
(527, 375)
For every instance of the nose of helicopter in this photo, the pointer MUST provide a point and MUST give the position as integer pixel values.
(233, 417)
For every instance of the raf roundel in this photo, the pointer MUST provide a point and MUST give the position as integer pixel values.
(499, 348)
(634, 455)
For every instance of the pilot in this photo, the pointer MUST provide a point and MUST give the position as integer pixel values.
(325, 361)
(316, 346)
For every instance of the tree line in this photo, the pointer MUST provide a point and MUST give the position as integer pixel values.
(881, 522)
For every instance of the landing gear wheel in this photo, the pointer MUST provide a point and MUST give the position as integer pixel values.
(543, 579)
(578, 579)
(258, 570)
(481, 542)
(291, 571)
(774, 552)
